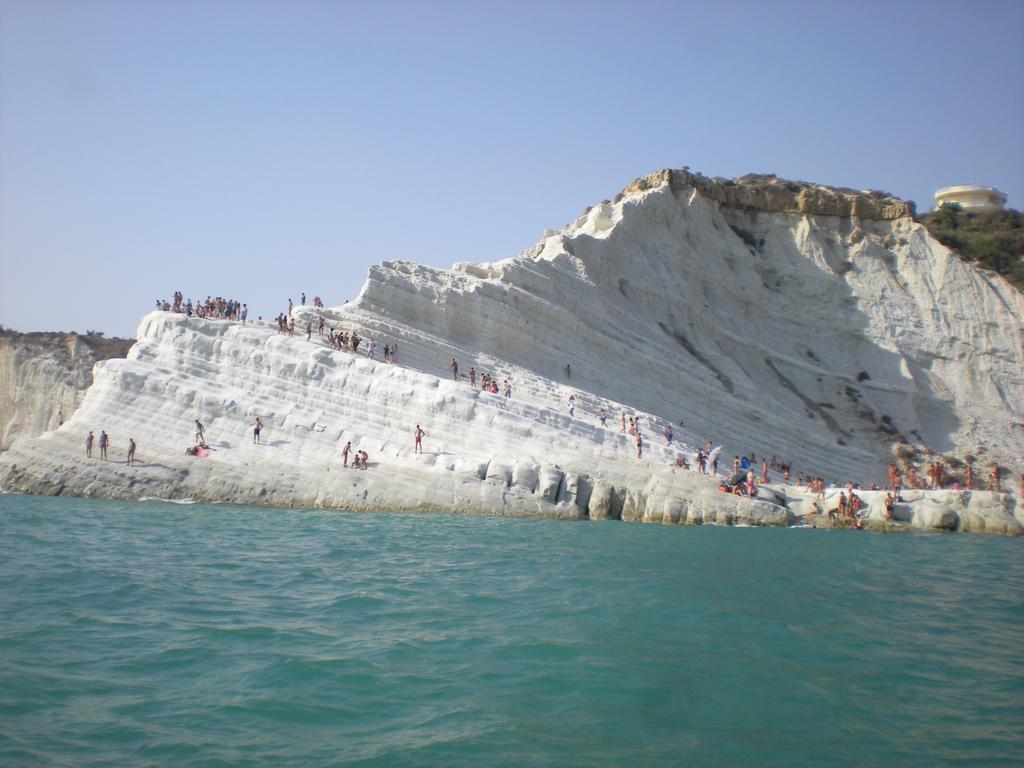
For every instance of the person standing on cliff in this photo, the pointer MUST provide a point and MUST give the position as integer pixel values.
(200, 431)
(344, 454)
(453, 366)
(419, 434)
(131, 452)
(993, 478)
(257, 427)
(88, 445)
(104, 442)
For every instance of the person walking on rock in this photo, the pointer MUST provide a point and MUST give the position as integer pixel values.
(200, 432)
(419, 434)
(88, 445)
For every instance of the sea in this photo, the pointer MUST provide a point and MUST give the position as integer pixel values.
(162, 634)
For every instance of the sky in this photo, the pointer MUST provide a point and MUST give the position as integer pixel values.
(257, 150)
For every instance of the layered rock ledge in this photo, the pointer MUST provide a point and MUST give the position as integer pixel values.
(820, 326)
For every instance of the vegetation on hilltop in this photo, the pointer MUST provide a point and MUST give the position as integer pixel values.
(989, 239)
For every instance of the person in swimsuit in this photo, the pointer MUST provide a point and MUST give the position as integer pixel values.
(668, 435)
(472, 376)
(993, 477)
(639, 445)
(257, 427)
(104, 442)
(419, 435)
(453, 366)
(344, 453)
(88, 446)
(131, 452)
(572, 406)
(200, 431)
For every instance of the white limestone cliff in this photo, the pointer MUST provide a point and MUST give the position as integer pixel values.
(44, 376)
(812, 324)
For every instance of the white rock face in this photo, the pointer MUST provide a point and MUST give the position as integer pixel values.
(44, 376)
(809, 325)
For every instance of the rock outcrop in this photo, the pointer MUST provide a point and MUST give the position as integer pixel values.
(821, 326)
(44, 376)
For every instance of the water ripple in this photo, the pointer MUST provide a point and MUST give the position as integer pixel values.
(170, 634)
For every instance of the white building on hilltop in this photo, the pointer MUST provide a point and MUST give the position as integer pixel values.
(971, 197)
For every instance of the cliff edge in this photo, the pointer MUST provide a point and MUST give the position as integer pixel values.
(44, 376)
(823, 327)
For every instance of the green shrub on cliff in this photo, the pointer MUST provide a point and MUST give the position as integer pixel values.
(990, 239)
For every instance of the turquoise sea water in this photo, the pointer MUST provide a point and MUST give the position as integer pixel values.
(161, 634)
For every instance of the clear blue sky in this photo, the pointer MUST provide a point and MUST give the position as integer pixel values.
(259, 149)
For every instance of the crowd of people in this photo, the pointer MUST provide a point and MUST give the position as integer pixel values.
(215, 307)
